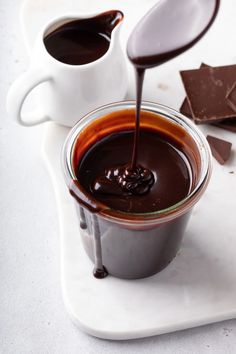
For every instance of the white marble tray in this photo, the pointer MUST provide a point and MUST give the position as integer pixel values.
(199, 286)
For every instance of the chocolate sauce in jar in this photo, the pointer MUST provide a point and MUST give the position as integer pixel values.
(162, 155)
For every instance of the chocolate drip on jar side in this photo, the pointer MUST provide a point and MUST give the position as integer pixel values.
(99, 271)
(83, 223)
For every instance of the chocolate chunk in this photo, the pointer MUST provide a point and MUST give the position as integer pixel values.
(231, 97)
(228, 124)
(220, 149)
(206, 90)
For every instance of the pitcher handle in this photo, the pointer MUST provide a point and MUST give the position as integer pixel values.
(19, 91)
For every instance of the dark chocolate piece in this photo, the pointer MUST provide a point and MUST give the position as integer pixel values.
(226, 124)
(206, 90)
(231, 97)
(185, 109)
(220, 149)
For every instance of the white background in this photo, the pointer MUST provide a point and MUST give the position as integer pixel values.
(32, 315)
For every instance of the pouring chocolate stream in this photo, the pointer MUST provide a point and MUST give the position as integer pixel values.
(163, 33)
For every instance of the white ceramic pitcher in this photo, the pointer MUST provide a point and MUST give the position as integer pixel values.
(67, 92)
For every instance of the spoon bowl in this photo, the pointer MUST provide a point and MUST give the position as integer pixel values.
(168, 30)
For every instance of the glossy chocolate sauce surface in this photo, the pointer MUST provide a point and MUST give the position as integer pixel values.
(169, 166)
(82, 41)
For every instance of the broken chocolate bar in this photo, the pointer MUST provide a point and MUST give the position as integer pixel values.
(220, 149)
(185, 107)
(206, 90)
(227, 124)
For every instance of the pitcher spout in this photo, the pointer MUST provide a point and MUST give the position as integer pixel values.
(110, 20)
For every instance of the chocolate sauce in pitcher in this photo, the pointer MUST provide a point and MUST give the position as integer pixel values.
(141, 171)
(82, 41)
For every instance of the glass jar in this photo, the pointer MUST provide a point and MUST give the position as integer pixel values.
(133, 245)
